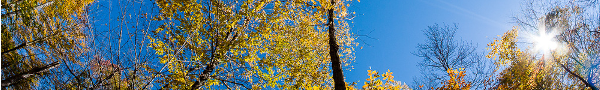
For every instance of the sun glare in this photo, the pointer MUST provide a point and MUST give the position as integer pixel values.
(544, 42)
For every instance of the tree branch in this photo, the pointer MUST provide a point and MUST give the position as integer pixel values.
(578, 77)
(38, 7)
(37, 70)
(13, 49)
(22, 45)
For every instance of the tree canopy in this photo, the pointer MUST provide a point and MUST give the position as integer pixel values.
(279, 44)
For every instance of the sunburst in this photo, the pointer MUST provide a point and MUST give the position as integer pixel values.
(545, 42)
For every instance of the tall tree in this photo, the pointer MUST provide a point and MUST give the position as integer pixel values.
(248, 44)
(575, 25)
(441, 53)
(336, 67)
(39, 36)
(525, 71)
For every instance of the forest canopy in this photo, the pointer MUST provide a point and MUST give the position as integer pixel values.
(282, 44)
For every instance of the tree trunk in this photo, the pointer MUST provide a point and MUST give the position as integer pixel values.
(338, 75)
(37, 70)
(204, 76)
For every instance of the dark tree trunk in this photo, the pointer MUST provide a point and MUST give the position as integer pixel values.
(338, 75)
(204, 76)
(37, 70)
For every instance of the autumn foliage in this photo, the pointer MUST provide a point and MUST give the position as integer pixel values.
(275, 44)
(456, 81)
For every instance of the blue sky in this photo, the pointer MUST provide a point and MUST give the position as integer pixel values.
(397, 28)
(395, 25)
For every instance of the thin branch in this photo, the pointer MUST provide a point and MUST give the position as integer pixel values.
(233, 82)
(19, 10)
(22, 45)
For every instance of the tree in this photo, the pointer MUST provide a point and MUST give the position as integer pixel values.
(524, 71)
(336, 67)
(441, 52)
(39, 36)
(576, 25)
(505, 51)
(248, 44)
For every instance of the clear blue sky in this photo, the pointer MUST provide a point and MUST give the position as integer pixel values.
(397, 28)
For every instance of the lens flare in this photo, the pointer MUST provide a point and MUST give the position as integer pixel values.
(545, 42)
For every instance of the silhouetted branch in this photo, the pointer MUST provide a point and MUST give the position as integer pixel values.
(578, 77)
(37, 70)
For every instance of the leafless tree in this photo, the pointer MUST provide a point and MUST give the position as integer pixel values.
(442, 52)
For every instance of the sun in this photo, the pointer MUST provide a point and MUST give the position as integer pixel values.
(545, 42)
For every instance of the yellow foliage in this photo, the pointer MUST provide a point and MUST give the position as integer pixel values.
(456, 81)
(275, 44)
(50, 30)
(384, 81)
(505, 49)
